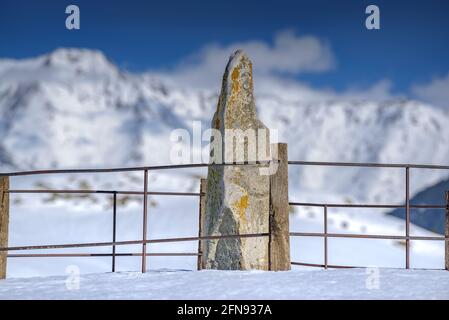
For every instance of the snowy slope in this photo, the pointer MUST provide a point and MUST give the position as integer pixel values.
(60, 113)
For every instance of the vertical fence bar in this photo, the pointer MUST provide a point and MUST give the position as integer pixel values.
(144, 227)
(325, 237)
(446, 234)
(4, 223)
(202, 210)
(114, 227)
(407, 217)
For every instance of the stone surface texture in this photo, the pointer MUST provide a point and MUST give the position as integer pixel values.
(237, 200)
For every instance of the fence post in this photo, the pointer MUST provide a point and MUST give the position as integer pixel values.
(202, 210)
(407, 217)
(4, 222)
(325, 237)
(446, 233)
(279, 244)
(144, 222)
(114, 227)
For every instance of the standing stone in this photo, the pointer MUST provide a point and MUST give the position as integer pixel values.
(237, 200)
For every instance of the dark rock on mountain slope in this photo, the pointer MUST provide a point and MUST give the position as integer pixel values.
(431, 219)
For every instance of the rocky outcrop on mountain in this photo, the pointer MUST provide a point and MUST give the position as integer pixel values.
(430, 219)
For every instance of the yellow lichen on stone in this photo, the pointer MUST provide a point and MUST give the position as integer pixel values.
(235, 86)
(241, 206)
(235, 82)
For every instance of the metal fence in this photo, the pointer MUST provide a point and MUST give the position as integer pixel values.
(407, 206)
(145, 193)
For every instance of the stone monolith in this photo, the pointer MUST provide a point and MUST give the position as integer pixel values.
(237, 199)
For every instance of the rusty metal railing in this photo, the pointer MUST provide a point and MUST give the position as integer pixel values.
(145, 193)
(408, 206)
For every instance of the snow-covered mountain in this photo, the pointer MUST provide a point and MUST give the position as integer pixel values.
(75, 108)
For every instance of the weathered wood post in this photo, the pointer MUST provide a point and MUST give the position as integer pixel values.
(4, 222)
(446, 234)
(202, 210)
(279, 249)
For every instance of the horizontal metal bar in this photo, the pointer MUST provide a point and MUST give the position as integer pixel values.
(344, 205)
(184, 239)
(62, 255)
(427, 206)
(363, 236)
(199, 165)
(129, 169)
(322, 265)
(168, 193)
(55, 191)
(197, 194)
(369, 165)
(349, 267)
(132, 242)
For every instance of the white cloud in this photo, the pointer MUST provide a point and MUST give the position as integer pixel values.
(435, 92)
(379, 91)
(276, 66)
(289, 55)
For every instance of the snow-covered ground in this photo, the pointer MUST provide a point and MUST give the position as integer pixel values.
(175, 284)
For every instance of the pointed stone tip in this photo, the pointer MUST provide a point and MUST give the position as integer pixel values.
(238, 55)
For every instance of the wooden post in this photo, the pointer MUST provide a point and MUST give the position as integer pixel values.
(4, 222)
(279, 245)
(446, 233)
(202, 211)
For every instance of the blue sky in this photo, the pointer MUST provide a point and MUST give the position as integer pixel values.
(411, 48)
